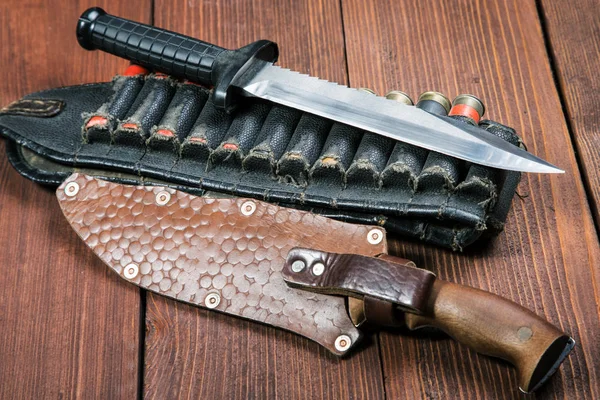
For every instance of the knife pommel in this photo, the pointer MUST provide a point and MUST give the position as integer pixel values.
(497, 327)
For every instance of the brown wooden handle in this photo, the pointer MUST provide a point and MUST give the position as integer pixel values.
(496, 327)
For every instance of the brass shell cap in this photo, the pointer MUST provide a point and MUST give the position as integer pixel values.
(471, 101)
(364, 89)
(399, 96)
(438, 98)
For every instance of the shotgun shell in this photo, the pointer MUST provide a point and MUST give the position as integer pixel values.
(434, 103)
(467, 105)
(364, 89)
(134, 70)
(399, 96)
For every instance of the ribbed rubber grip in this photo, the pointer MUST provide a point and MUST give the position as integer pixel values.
(148, 46)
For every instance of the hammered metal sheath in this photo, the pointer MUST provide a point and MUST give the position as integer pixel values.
(224, 254)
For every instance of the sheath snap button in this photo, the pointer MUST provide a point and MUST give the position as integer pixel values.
(298, 265)
(318, 268)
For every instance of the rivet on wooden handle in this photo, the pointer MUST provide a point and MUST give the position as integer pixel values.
(496, 327)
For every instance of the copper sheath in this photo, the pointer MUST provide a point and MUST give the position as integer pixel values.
(205, 251)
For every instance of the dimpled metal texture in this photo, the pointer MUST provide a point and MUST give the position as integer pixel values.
(194, 246)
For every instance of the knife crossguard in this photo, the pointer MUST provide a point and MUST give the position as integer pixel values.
(294, 270)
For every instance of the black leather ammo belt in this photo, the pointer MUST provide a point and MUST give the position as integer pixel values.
(145, 128)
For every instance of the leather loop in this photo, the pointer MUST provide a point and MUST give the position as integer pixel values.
(390, 279)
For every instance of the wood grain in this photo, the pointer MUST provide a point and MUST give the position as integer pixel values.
(574, 43)
(546, 259)
(195, 353)
(68, 327)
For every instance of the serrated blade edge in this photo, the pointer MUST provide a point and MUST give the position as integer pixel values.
(389, 118)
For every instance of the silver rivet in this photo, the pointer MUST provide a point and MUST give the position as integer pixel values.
(318, 268)
(298, 265)
(375, 236)
(343, 343)
(248, 207)
(131, 271)
(212, 300)
(163, 198)
(72, 189)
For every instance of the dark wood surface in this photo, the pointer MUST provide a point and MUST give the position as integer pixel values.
(573, 34)
(69, 328)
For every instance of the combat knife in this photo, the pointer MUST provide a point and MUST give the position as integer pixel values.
(320, 278)
(250, 72)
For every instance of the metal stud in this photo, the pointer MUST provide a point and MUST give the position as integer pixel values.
(343, 343)
(163, 198)
(212, 300)
(131, 271)
(72, 189)
(318, 269)
(248, 207)
(375, 236)
(298, 265)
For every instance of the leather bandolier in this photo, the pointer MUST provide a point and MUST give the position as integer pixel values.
(151, 128)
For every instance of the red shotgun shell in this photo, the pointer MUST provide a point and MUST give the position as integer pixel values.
(134, 70)
(469, 106)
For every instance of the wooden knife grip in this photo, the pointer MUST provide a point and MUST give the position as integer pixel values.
(496, 327)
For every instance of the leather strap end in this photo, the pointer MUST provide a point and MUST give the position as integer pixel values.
(389, 280)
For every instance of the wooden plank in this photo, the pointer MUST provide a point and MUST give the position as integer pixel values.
(547, 257)
(574, 44)
(199, 354)
(68, 327)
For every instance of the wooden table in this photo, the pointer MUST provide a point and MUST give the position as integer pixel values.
(70, 328)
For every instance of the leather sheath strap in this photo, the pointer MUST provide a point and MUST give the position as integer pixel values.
(143, 128)
(385, 284)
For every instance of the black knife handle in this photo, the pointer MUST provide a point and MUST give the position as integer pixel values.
(171, 53)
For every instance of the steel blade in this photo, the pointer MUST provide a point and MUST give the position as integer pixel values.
(388, 118)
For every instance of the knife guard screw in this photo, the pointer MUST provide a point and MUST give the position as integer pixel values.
(375, 236)
(298, 265)
(163, 198)
(248, 208)
(131, 271)
(72, 189)
(343, 342)
(318, 269)
(212, 300)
